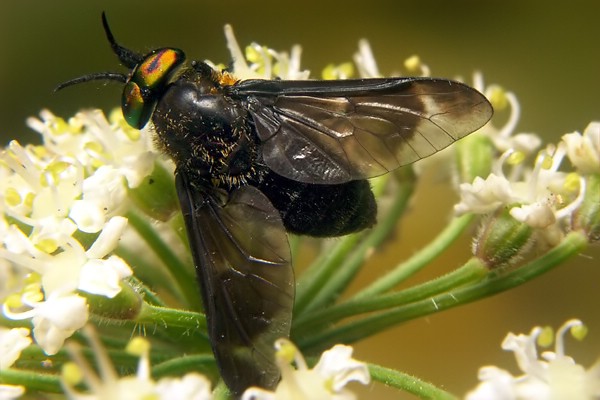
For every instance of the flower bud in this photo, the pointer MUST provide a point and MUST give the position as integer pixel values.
(502, 240)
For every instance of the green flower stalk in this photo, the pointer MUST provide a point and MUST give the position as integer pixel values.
(94, 251)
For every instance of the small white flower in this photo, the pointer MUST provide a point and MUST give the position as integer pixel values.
(192, 386)
(54, 319)
(537, 215)
(109, 386)
(74, 268)
(504, 137)
(365, 61)
(536, 196)
(10, 392)
(555, 376)
(327, 380)
(265, 63)
(94, 141)
(104, 195)
(12, 341)
(484, 195)
(103, 276)
(584, 150)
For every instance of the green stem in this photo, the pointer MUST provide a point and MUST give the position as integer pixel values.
(180, 271)
(31, 380)
(164, 324)
(408, 383)
(408, 268)
(325, 265)
(472, 271)
(179, 366)
(573, 243)
(348, 270)
(32, 358)
(148, 295)
(169, 317)
(321, 270)
(188, 326)
(337, 271)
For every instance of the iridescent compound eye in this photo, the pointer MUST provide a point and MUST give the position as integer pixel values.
(147, 84)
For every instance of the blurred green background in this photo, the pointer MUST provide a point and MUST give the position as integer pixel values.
(548, 53)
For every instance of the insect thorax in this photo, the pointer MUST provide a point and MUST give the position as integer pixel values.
(206, 134)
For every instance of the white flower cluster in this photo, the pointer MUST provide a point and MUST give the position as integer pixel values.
(73, 186)
(542, 196)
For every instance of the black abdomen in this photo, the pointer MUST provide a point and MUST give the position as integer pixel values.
(321, 210)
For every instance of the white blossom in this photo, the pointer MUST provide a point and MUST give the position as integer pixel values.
(12, 341)
(327, 380)
(536, 196)
(504, 137)
(553, 376)
(54, 319)
(365, 61)
(191, 386)
(76, 182)
(94, 141)
(484, 195)
(10, 392)
(584, 150)
(265, 63)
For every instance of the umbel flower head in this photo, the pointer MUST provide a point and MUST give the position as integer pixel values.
(62, 218)
(527, 206)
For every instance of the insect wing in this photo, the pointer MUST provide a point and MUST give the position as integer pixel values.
(242, 260)
(337, 131)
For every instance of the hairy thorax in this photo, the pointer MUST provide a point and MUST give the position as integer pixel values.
(207, 134)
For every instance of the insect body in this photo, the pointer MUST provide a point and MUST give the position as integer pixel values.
(257, 158)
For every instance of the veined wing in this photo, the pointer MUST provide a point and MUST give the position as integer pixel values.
(242, 260)
(337, 131)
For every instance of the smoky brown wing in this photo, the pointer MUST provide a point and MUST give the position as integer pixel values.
(337, 131)
(242, 260)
